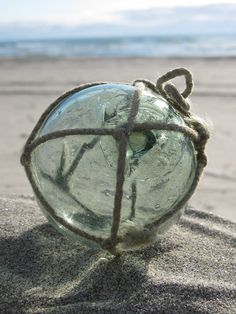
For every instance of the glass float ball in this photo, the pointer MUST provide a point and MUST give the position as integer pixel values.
(76, 174)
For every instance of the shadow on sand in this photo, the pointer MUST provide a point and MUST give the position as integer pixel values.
(51, 271)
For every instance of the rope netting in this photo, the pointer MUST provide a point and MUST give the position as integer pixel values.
(193, 128)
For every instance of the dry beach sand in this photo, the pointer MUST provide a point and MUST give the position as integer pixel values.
(192, 270)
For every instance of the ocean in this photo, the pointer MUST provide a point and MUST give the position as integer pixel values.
(142, 46)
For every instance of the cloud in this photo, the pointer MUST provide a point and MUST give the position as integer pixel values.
(180, 17)
(151, 22)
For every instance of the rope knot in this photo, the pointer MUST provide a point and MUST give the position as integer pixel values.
(202, 131)
(120, 132)
(123, 130)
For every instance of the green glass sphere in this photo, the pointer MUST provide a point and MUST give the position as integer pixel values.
(76, 174)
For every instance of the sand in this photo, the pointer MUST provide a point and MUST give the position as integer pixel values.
(192, 270)
(28, 86)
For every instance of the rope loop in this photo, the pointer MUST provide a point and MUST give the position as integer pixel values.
(173, 74)
(170, 92)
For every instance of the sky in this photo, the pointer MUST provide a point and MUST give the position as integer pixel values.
(42, 19)
(83, 12)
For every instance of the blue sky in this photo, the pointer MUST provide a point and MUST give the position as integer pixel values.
(28, 19)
